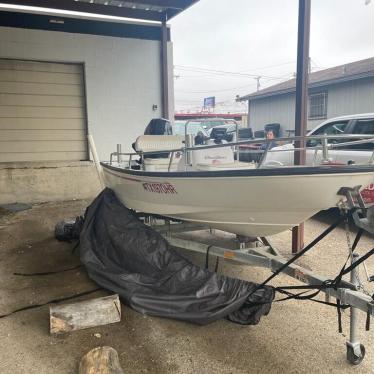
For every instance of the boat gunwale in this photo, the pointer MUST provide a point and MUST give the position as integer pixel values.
(281, 171)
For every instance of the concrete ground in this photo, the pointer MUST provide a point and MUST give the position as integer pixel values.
(296, 337)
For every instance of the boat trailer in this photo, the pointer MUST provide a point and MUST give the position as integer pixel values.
(263, 254)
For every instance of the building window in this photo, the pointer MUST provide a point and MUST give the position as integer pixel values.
(318, 106)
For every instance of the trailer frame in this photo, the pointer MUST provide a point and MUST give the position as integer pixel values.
(262, 253)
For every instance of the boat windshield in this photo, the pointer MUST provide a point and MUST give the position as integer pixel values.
(193, 128)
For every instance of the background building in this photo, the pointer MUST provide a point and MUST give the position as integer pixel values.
(64, 76)
(341, 90)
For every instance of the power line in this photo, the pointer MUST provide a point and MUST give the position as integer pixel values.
(221, 72)
(214, 90)
(212, 73)
(228, 89)
(269, 66)
(214, 76)
(245, 71)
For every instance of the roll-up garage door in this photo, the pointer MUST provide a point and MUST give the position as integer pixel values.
(42, 111)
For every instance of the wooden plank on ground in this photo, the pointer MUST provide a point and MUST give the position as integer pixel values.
(100, 360)
(82, 315)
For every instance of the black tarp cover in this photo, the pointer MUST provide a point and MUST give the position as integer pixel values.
(125, 256)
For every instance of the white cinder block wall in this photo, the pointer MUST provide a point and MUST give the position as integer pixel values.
(123, 78)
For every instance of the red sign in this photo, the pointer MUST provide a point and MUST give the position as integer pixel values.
(368, 194)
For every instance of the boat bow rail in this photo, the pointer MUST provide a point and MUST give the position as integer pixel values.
(263, 148)
(266, 198)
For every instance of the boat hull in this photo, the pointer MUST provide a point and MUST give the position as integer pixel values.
(257, 204)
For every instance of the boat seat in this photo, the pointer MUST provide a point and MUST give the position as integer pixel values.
(225, 166)
(159, 161)
(150, 143)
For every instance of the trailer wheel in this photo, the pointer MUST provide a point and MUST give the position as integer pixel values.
(353, 358)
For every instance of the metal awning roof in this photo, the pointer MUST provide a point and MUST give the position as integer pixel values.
(149, 10)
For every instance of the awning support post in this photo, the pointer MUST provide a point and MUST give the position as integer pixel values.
(301, 107)
(164, 70)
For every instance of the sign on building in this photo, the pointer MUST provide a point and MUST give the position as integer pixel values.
(210, 102)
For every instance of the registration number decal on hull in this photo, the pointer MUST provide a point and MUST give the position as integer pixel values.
(166, 188)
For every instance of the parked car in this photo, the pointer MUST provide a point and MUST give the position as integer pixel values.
(209, 123)
(194, 127)
(223, 128)
(355, 124)
(361, 124)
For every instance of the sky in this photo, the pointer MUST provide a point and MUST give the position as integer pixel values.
(221, 46)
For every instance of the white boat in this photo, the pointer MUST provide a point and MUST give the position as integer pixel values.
(213, 189)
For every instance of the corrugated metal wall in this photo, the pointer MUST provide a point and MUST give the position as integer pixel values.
(350, 98)
(343, 99)
(276, 109)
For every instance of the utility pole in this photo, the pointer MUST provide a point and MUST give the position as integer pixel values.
(258, 82)
(164, 70)
(301, 102)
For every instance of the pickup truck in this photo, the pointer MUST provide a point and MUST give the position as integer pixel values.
(353, 124)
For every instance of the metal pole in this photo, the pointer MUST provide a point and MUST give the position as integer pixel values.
(258, 83)
(354, 312)
(236, 148)
(189, 143)
(355, 350)
(119, 151)
(96, 160)
(164, 70)
(325, 150)
(301, 101)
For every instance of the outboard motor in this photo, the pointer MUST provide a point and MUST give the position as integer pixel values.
(158, 126)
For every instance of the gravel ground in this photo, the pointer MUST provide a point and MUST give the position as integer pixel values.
(296, 337)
